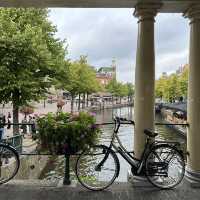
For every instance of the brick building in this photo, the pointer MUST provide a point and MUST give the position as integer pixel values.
(105, 74)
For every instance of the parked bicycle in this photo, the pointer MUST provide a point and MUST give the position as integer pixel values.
(161, 162)
(9, 162)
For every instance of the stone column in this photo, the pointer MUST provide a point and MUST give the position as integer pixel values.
(144, 74)
(193, 107)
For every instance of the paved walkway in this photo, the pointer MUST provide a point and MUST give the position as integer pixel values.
(35, 190)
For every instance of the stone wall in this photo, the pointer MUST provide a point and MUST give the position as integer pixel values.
(30, 166)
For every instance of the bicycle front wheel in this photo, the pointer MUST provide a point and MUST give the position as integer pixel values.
(97, 167)
(9, 163)
(165, 166)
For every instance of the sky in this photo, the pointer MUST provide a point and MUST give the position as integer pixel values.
(107, 34)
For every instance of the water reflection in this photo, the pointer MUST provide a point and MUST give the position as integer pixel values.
(126, 135)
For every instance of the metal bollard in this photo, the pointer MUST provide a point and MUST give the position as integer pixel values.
(66, 180)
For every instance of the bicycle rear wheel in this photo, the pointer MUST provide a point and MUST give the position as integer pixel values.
(9, 163)
(97, 167)
(165, 166)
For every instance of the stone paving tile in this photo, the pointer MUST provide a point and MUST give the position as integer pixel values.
(125, 191)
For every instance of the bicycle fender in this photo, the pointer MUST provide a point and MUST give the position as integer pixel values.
(114, 154)
(166, 145)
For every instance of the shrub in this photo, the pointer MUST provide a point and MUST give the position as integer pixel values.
(63, 132)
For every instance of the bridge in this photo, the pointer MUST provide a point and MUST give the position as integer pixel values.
(146, 11)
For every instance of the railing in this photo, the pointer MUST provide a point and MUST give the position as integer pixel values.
(16, 141)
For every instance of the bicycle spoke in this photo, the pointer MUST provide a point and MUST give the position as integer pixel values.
(9, 163)
(102, 167)
(165, 167)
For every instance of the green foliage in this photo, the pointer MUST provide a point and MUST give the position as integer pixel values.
(56, 129)
(173, 86)
(79, 77)
(131, 91)
(30, 56)
(119, 89)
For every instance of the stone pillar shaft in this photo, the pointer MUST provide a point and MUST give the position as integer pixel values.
(144, 75)
(193, 136)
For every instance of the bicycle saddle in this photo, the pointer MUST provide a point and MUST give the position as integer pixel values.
(150, 133)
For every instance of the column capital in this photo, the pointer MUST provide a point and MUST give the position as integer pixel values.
(193, 13)
(146, 11)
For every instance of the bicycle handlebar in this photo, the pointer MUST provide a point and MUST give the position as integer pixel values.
(120, 119)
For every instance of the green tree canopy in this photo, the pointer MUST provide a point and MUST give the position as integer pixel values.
(30, 56)
(119, 89)
(172, 87)
(79, 78)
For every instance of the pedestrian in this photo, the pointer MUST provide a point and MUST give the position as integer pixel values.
(24, 127)
(30, 126)
(9, 115)
(2, 124)
(33, 127)
(9, 120)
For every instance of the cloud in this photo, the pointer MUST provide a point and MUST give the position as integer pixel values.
(104, 34)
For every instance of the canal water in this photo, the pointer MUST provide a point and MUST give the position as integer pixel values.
(55, 168)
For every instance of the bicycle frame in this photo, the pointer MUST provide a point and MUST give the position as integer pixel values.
(134, 162)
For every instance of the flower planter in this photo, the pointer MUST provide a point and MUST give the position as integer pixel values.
(63, 133)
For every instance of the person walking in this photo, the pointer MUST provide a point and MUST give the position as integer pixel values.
(24, 127)
(9, 120)
(30, 121)
(33, 127)
(9, 115)
(2, 124)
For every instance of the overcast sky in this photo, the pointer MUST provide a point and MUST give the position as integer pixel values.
(104, 34)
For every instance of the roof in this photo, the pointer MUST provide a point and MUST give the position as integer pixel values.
(106, 69)
(176, 6)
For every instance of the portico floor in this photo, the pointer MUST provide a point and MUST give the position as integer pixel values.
(34, 190)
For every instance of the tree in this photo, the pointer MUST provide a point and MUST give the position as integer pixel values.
(172, 87)
(183, 82)
(161, 85)
(87, 80)
(130, 88)
(78, 78)
(30, 56)
(120, 90)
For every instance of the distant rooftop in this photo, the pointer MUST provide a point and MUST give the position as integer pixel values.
(106, 69)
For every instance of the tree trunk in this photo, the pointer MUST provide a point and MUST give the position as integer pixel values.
(83, 104)
(15, 112)
(72, 104)
(79, 101)
(87, 99)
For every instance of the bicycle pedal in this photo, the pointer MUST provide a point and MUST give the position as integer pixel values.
(97, 168)
(6, 161)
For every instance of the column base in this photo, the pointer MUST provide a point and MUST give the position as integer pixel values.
(192, 177)
(138, 181)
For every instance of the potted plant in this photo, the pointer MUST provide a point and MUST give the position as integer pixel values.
(66, 133)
